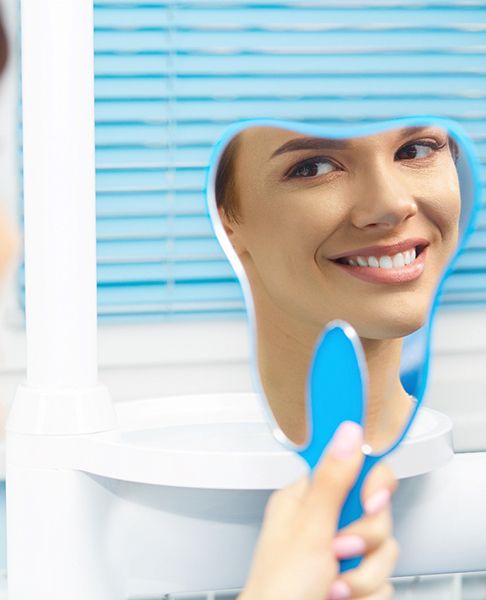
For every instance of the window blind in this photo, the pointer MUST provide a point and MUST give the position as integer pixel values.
(171, 76)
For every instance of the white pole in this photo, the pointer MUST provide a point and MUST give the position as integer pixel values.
(61, 395)
(59, 192)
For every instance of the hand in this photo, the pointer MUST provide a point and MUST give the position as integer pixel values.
(297, 555)
(9, 243)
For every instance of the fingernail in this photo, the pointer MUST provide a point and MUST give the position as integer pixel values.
(348, 546)
(377, 501)
(347, 439)
(339, 591)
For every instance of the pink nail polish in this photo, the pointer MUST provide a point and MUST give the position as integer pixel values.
(347, 439)
(377, 501)
(348, 546)
(339, 591)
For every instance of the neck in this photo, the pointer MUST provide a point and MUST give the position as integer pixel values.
(388, 404)
(285, 350)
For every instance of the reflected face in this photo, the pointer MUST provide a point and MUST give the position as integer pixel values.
(358, 229)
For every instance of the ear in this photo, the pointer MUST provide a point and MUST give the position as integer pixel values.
(233, 230)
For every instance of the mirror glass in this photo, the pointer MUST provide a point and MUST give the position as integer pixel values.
(322, 226)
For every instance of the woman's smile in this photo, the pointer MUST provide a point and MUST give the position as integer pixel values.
(395, 263)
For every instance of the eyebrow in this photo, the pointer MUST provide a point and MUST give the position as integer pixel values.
(315, 143)
(310, 143)
(406, 131)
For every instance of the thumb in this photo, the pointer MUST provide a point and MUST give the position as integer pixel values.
(336, 473)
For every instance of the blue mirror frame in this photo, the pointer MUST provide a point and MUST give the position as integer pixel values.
(416, 350)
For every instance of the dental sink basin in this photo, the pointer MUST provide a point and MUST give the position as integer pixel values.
(228, 443)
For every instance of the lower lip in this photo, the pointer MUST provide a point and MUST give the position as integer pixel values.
(404, 274)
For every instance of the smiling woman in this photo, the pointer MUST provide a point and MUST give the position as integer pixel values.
(358, 229)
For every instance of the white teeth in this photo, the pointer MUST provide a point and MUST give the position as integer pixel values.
(397, 261)
(373, 262)
(386, 262)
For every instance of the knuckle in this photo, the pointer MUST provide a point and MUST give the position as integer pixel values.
(375, 530)
(381, 476)
(325, 479)
(362, 581)
(373, 580)
(367, 584)
(331, 475)
(378, 532)
(382, 526)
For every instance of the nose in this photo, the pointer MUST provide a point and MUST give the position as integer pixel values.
(383, 201)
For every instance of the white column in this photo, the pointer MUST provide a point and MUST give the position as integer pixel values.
(61, 394)
(59, 192)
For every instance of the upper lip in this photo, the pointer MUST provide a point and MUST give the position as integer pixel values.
(383, 250)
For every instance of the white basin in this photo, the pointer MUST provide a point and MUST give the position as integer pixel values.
(229, 435)
(173, 499)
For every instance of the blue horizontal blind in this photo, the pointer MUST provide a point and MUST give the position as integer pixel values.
(171, 76)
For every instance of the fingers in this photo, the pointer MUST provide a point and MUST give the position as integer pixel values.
(365, 580)
(319, 498)
(370, 537)
(335, 474)
(370, 531)
(380, 483)
(375, 526)
(364, 535)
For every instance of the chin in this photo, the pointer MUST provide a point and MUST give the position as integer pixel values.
(391, 325)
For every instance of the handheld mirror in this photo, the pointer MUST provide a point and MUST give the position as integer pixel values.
(349, 229)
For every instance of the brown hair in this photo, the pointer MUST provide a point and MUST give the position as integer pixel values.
(3, 46)
(453, 147)
(225, 184)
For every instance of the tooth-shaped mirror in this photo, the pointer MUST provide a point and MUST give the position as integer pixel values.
(356, 224)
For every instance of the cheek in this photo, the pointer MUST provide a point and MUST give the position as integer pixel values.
(448, 214)
(441, 205)
(283, 230)
(285, 226)
(448, 192)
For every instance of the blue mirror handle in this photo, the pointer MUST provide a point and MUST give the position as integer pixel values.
(336, 388)
(337, 393)
(353, 508)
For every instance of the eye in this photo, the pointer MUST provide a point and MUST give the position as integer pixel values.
(312, 167)
(417, 150)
